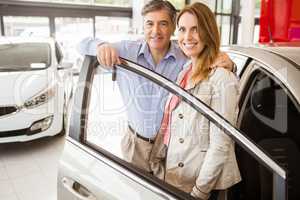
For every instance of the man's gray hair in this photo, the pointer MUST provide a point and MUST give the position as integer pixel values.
(155, 5)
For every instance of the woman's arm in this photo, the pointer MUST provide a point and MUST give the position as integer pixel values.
(224, 101)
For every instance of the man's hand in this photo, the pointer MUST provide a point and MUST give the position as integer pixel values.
(224, 61)
(107, 55)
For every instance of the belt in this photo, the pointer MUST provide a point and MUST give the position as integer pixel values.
(139, 136)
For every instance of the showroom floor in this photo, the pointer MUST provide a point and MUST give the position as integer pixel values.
(28, 171)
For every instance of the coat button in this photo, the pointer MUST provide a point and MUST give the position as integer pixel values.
(180, 164)
(181, 140)
(180, 116)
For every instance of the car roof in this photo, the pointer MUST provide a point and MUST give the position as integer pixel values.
(282, 62)
(13, 40)
(291, 53)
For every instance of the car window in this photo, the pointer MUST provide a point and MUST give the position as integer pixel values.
(27, 54)
(240, 62)
(119, 109)
(270, 118)
(107, 121)
(121, 106)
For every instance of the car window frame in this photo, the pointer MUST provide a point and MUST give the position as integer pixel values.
(239, 55)
(250, 79)
(78, 125)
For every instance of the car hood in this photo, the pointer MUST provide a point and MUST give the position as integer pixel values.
(18, 87)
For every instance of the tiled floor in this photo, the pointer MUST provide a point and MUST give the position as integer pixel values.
(28, 170)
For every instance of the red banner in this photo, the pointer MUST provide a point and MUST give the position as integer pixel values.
(279, 21)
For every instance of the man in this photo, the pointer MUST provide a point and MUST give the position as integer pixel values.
(155, 52)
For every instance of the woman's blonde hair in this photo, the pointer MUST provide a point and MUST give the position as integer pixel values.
(208, 34)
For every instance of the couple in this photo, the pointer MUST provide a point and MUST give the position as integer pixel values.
(199, 160)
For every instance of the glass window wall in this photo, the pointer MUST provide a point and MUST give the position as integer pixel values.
(69, 32)
(224, 28)
(26, 26)
(179, 4)
(224, 6)
(122, 3)
(113, 29)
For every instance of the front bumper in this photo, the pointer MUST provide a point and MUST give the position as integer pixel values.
(18, 127)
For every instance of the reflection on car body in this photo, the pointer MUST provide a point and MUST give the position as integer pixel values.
(37, 88)
(267, 143)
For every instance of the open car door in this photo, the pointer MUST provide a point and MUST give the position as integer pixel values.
(92, 166)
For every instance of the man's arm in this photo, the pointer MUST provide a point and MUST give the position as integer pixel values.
(224, 61)
(107, 53)
(88, 46)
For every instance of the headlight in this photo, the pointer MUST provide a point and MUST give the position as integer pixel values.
(40, 98)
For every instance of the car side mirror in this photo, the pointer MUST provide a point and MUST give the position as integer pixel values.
(65, 65)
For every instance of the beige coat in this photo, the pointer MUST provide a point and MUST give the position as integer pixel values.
(201, 157)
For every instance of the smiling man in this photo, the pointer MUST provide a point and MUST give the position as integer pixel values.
(157, 53)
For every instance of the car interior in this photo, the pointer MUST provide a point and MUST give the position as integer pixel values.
(265, 106)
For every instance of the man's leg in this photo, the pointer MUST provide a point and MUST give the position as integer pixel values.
(136, 150)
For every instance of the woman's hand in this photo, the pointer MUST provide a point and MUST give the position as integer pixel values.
(198, 194)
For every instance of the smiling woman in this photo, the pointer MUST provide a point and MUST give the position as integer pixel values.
(200, 157)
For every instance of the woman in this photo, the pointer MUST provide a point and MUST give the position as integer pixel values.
(200, 157)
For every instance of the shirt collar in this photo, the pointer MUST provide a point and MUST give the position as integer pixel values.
(144, 50)
(171, 52)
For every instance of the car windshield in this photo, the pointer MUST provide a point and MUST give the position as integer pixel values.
(24, 56)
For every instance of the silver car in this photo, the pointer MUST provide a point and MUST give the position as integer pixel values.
(267, 138)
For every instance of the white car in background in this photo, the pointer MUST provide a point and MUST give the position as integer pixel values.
(35, 89)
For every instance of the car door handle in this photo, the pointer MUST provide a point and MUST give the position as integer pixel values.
(77, 189)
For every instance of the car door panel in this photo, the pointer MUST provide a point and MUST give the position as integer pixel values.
(100, 177)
